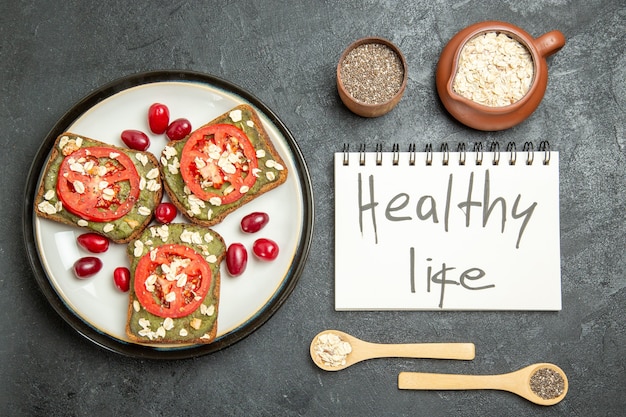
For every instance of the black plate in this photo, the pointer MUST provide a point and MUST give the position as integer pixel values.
(116, 344)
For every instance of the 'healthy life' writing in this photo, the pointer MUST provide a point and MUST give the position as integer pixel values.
(426, 208)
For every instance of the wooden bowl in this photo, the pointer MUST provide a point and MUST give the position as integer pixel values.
(363, 108)
(482, 117)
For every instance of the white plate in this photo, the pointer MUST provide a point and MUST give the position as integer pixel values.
(94, 306)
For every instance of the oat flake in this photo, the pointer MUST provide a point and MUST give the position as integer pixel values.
(332, 350)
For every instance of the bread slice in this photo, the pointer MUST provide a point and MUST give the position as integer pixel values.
(122, 229)
(199, 325)
(271, 171)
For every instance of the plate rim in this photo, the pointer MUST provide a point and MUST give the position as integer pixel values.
(154, 352)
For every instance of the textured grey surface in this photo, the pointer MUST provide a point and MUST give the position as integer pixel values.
(54, 53)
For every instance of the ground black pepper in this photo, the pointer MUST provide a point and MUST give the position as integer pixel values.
(547, 383)
(372, 73)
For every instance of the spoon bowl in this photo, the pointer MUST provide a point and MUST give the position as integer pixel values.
(519, 382)
(362, 350)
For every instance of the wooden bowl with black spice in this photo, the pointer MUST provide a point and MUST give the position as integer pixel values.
(371, 76)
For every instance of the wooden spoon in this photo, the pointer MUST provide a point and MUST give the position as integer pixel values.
(362, 350)
(518, 382)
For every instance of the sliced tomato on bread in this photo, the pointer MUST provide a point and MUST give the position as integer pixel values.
(106, 189)
(175, 284)
(221, 166)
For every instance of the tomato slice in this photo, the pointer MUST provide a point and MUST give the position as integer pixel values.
(218, 162)
(172, 281)
(98, 183)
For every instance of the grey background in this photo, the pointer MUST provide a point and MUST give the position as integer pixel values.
(55, 53)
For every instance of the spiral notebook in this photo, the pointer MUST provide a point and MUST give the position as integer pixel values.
(474, 229)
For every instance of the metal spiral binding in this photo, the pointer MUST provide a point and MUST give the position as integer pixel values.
(478, 150)
(494, 148)
(396, 153)
(544, 146)
(362, 154)
(510, 147)
(412, 154)
(461, 150)
(530, 153)
(379, 154)
(446, 154)
(429, 154)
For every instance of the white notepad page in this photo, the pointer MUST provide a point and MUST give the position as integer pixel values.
(446, 237)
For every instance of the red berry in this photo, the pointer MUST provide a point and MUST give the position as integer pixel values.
(158, 118)
(121, 278)
(254, 222)
(178, 129)
(93, 242)
(165, 213)
(236, 259)
(87, 267)
(265, 249)
(135, 139)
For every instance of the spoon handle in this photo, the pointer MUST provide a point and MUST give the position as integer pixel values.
(463, 351)
(426, 381)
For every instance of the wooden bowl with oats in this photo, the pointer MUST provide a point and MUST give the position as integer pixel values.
(371, 76)
(493, 75)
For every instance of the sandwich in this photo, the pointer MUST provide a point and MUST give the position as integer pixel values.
(221, 166)
(106, 189)
(175, 284)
